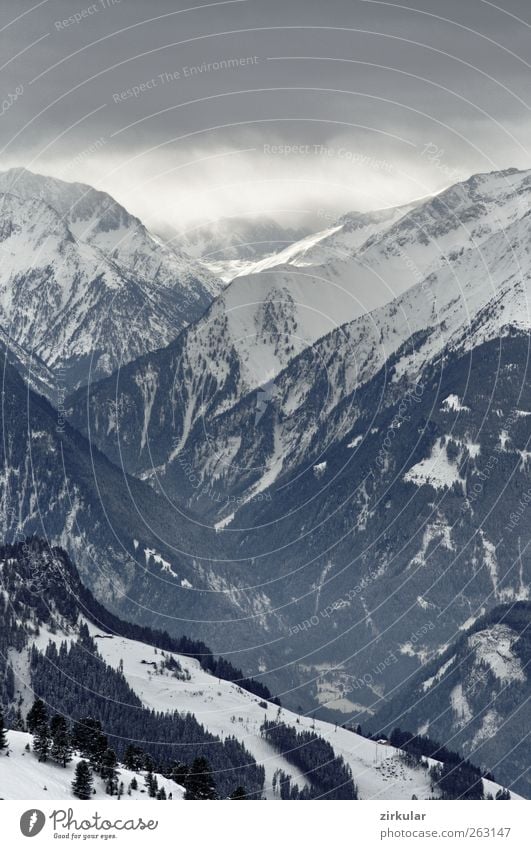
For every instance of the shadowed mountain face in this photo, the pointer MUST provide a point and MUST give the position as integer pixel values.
(475, 696)
(132, 548)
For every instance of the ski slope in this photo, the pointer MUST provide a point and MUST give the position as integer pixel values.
(225, 709)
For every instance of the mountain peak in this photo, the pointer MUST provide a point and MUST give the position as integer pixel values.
(75, 261)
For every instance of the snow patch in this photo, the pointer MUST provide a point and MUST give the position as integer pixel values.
(151, 553)
(494, 647)
(453, 402)
(460, 705)
(429, 682)
(436, 470)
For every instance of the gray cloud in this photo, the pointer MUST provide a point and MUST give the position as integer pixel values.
(186, 110)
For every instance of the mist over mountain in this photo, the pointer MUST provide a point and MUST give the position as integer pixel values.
(231, 246)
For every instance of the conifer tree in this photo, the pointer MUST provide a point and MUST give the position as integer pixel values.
(82, 783)
(178, 773)
(152, 784)
(109, 771)
(503, 795)
(239, 793)
(41, 741)
(37, 715)
(61, 748)
(3, 737)
(199, 782)
(134, 758)
(19, 724)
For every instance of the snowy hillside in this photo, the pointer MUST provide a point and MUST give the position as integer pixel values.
(23, 776)
(55, 635)
(83, 284)
(225, 709)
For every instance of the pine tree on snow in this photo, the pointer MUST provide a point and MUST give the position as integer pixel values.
(82, 783)
(61, 748)
(37, 715)
(3, 737)
(109, 771)
(199, 782)
(41, 742)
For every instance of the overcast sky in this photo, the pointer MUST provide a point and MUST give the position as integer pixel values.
(301, 107)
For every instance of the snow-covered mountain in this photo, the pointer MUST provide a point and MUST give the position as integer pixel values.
(479, 296)
(368, 259)
(170, 399)
(83, 284)
(343, 238)
(343, 497)
(54, 620)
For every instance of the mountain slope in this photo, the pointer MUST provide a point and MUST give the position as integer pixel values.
(369, 259)
(342, 239)
(32, 369)
(364, 530)
(476, 695)
(131, 546)
(46, 617)
(49, 620)
(402, 531)
(377, 546)
(83, 282)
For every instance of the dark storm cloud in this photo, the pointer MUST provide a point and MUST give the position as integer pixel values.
(188, 109)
